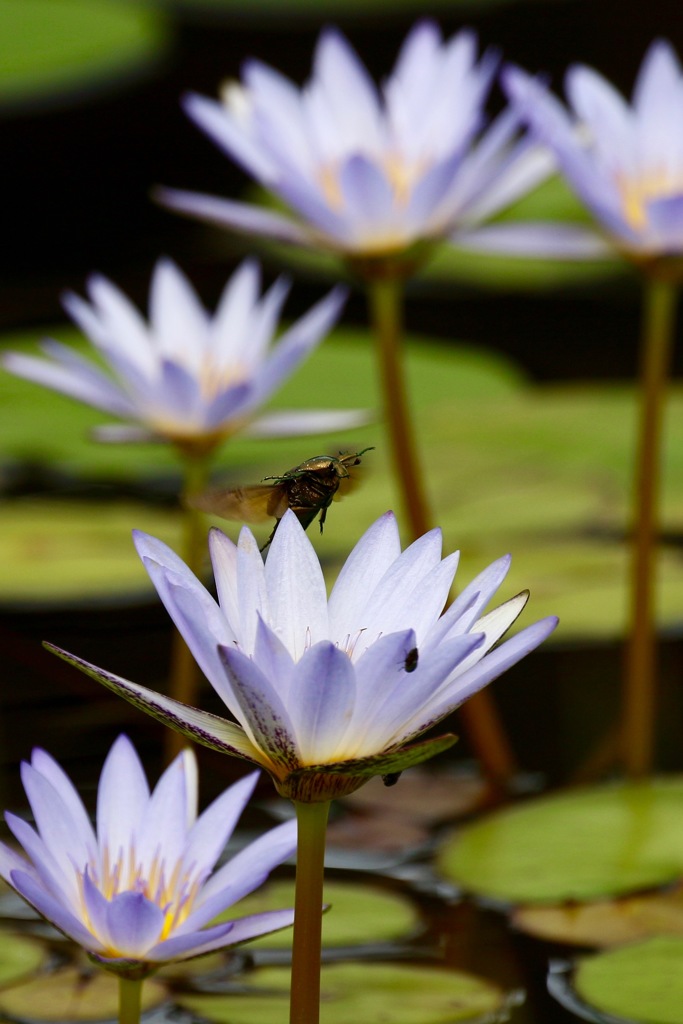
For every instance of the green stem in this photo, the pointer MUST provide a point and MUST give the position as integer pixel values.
(184, 674)
(130, 997)
(640, 667)
(385, 296)
(308, 902)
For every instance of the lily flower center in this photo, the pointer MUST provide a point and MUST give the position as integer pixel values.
(400, 174)
(172, 887)
(636, 193)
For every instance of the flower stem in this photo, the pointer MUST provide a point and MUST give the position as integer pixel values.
(640, 667)
(130, 996)
(308, 904)
(184, 674)
(385, 295)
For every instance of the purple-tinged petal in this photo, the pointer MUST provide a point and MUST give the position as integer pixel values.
(184, 947)
(536, 239)
(350, 96)
(11, 861)
(135, 924)
(369, 561)
(57, 777)
(246, 871)
(193, 610)
(200, 726)
(600, 106)
(274, 660)
(252, 591)
(367, 195)
(307, 421)
(261, 709)
(665, 223)
(55, 874)
(246, 928)
(208, 836)
(469, 603)
(96, 907)
(85, 384)
(379, 671)
(223, 552)
(178, 319)
(122, 797)
(245, 217)
(391, 725)
(297, 342)
(163, 830)
(461, 687)
(388, 606)
(56, 826)
(54, 912)
(321, 700)
(296, 588)
(218, 122)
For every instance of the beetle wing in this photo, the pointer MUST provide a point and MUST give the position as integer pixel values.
(252, 504)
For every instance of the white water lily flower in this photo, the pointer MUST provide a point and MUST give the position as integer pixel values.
(325, 693)
(370, 172)
(624, 160)
(186, 376)
(139, 890)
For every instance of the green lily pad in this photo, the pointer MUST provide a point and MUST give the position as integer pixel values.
(19, 957)
(642, 983)
(49, 47)
(372, 993)
(69, 995)
(605, 923)
(358, 915)
(76, 551)
(583, 845)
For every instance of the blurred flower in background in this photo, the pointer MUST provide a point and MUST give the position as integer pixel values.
(188, 377)
(625, 161)
(138, 891)
(369, 172)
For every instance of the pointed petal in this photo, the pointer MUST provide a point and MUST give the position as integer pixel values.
(244, 217)
(200, 726)
(296, 588)
(262, 710)
(54, 912)
(369, 561)
(135, 924)
(215, 825)
(307, 421)
(246, 871)
(122, 797)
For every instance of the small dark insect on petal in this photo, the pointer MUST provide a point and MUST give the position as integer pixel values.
(411, 660)
(391, 779)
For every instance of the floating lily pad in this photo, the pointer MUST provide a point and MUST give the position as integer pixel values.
(605, 923)
(76, 551)
(358, 915)
(49, 47)
(371, 993)
(642, 983)
(583, 845)
(69, 995)
(19, 957)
